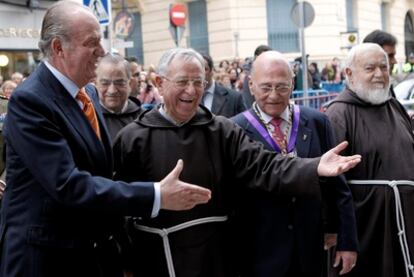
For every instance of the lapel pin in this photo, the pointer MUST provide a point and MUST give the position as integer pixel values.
(305, 136)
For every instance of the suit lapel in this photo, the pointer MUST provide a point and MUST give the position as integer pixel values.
(71, 110)
(219, 100)
(303, 140)
(255, 135)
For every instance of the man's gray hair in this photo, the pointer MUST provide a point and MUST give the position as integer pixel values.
(360, 48)
(55, 25)
(116, 59)
(184, 54)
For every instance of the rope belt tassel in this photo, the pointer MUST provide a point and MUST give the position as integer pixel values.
(402, 236)
(166, 231)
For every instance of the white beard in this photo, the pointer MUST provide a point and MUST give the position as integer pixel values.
(373, 96)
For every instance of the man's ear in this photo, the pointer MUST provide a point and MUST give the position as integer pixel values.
(250, 84)
(57, 47)
(348, 72)
(158, 81)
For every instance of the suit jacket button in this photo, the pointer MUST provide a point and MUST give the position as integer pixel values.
(290, 227)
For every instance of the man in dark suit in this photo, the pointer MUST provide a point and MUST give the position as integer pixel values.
(284, 236)
(217, 98)
(60, 201)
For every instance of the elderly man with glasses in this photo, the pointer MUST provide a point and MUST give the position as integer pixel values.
(219, 156)
(284, 235)
(113, 80)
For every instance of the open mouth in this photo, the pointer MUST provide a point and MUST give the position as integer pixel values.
(186, 100)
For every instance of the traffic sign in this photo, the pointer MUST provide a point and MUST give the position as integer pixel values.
(178, 15)
(302, 11)
(101, 9)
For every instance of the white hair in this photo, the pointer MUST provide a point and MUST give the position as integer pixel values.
(358, 50)
(370, 95)
(185, 54)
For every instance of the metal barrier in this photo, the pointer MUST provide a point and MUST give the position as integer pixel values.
(332, 87)
(315, 98)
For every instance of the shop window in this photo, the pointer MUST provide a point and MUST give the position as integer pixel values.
(24, 62)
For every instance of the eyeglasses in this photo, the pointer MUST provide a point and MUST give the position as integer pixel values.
(184, 83)
(119, 83)
(282, 89)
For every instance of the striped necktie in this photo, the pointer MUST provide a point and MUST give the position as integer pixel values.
(89, 110)
(277, 134)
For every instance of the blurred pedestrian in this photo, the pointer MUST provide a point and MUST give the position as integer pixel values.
(217, 98)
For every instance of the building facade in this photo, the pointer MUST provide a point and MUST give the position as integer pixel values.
(20, 23)
(233, 28)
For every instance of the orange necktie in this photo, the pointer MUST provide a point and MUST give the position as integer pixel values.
(89, 110)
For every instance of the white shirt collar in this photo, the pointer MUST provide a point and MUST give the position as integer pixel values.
(67, 83)
(211, 88)
(267, 118)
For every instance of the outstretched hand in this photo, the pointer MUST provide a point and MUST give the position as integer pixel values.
(177, 195)
(347, 259)
(333, 164)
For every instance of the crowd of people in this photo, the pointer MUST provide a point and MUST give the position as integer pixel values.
(190, 169)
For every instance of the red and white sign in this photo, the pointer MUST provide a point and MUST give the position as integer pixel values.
(178, 15)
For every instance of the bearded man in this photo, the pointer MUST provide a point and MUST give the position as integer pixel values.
(377, 126)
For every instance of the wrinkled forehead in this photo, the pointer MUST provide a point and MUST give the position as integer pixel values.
(269, 69)
(370, 57)
(108, 69)
(186, 67)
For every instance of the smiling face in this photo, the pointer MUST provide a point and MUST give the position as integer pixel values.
(113, 85)
(369, 76)
(77, 58)
(181, 103)
(271, 70)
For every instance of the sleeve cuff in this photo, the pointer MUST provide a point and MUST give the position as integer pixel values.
(157, 200)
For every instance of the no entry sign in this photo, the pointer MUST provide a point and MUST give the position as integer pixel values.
(178, 15)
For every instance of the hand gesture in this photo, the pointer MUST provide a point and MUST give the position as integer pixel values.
(177, 195)
(348, 260)
(333, 164)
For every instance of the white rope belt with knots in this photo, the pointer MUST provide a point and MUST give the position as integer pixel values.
(166, 231)
(409, 268)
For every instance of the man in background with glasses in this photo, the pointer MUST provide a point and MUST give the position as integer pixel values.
(284, 235)
(113, 81)
(219, 156)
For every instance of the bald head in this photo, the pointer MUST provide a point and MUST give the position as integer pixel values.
(271, 59)
(271, 82)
